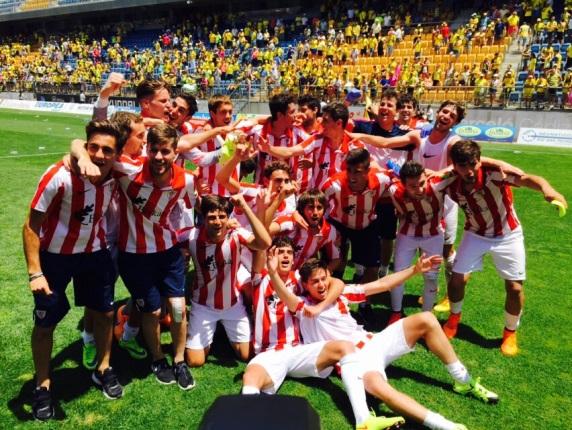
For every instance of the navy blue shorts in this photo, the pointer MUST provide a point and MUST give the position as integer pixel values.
(148, 277)
(386, 221)
(365, 243)
(93, 276)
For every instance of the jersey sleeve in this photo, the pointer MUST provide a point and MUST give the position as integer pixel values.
(354, 293)
(50, 187)
(202, 158)
(190, 195)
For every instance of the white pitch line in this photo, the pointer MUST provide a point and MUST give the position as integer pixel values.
(526, 151)
(31, 155)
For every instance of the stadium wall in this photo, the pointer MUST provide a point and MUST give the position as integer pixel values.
(530, 127)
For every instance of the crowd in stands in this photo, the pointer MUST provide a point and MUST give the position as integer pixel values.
(339, 49)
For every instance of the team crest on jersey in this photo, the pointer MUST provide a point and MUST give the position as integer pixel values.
(41, 314)
(210, 263)
(83, 213)
(349, 210)
(138, 201)
(297, 248)
(325, 165)
(272, 300)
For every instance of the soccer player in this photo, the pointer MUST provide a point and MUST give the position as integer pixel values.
(64, 239)
(491, 227)
(310, 109)
(379, 350)
(419, 202)
(318, 234)
(216, 250)
(150, 263)
(353, 195)
(277, 343)
(328, 149)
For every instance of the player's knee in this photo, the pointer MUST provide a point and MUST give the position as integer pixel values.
(195, 358)
(514, 287)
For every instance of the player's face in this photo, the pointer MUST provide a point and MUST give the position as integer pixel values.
(318, 283)
(387, 110)
(446, 118)
(313, 213)
(330, 125)
(290, 115)
(161, 157)
(285, 259)
(223, 115)
(136, 140)
(415, 187)
(357, 176)
(468, 171)
(279, 178)
(407, 112)
(159, 106)
(101, 150)
(309, 115)
(179, 112)
(216, 222)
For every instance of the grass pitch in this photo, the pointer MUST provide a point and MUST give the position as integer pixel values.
(533, 386)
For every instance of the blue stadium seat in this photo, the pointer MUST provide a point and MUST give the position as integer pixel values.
(535, 48)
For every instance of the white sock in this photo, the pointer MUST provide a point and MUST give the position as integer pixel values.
(429, 293)
(458, 372)
(397, 298)
(456, 307)
(438, 422)
(450, 260)
(249, 389)
(129, 332)
(87, 337)
(352, 373)
(511, 321)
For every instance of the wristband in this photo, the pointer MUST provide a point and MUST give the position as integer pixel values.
(33, 276)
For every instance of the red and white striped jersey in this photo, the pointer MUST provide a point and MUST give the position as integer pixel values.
(355, 210)
(289, 139)
(327, 160)
(208, 173)
(144, 225)
(335, 322)
(275, 327)
(216, 266)
(75, 211)
(307, 244)
(420, 217)
(488, 207)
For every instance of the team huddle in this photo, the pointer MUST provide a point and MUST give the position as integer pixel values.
(269, 253)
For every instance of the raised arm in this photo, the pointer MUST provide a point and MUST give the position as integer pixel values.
(86, 167)
(540, 184)
(113, 84)
(243, 152)
(290, 299)
(261, 239)
(278, 151)
(190, 141)
(424, 264)
(412, 137)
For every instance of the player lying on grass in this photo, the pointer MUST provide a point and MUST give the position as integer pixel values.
(378, 350)
(277, 344)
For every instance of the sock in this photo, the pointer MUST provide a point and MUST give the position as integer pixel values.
(352, 374)
(429, 292)
(382, 271)
(511, 321)
(456, 307)
(397, 298)
(87, 337)
(438, 422)
(458, 372)
(129, 332)
(249, 389)
(450, 259)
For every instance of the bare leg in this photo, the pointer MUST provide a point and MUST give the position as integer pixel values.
(425, 326)
(196, 357)
(456, 286)
(514, 297)
(257, 377)
(42, 344)
(242, 350)
(176, 308)
(103, 334)
(151, 333)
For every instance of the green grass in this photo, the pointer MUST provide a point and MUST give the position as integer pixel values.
(533, 386)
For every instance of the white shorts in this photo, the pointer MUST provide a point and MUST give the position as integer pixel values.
(507, 252)
(384, 348)
(203, 320)
(451, 217)
(406, 248)
(296, 361)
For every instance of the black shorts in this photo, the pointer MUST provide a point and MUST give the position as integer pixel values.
(386, 221)
(93, 276)
(365, 243)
